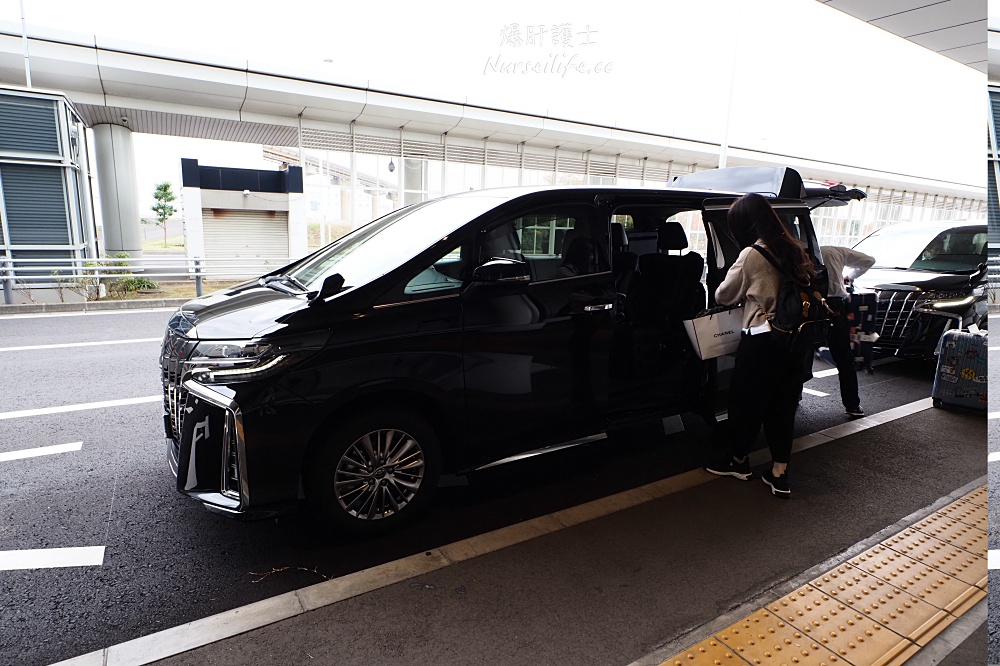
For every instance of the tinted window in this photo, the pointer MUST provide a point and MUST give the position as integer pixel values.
(556, 242)
(959, 249)
(378, 247)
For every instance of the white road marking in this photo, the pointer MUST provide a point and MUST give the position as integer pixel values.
(814, 392)
(994, 415)
(88, 313)
(40, 451)
(79, 344)
(993, 457)
(825, 373)
(196, 634)
(76, 408)
(992, 348)
(50, 558)
(993, 559)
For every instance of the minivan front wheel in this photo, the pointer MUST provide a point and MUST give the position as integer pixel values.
(375, 472)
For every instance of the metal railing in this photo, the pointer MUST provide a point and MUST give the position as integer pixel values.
(83, 274)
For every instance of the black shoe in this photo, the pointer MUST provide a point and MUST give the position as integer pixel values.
(779, 484)
(854, 411)
(729, 467)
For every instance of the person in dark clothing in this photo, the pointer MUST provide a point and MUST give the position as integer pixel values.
(838, 260)
(768, 377)
(579, 258)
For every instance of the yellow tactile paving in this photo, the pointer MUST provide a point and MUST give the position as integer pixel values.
(920, 580)
(955, 532)
(941, 555)
(842, 629)
(709, 651)
(765, 639)
(969, 513)
(878, 609)
(904, 613)
(978, 496)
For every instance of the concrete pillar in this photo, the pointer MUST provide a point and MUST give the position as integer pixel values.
(298, 226)
(118, 189)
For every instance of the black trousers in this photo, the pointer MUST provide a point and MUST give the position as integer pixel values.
(764, 392)
(839, 342)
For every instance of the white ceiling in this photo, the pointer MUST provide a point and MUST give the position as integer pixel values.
(954, 28)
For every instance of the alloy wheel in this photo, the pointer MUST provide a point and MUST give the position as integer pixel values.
(379, 474)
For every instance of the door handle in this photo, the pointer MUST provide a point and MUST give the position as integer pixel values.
(598, 307)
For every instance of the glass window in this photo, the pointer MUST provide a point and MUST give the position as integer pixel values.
(694, 228)
(535, 177)
(556, 243)
(960, 249)
(445, 274)
(376, 248)
(462, 177)
(502, 176)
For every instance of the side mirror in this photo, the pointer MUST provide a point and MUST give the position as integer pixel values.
(331, 286)
(502, 270)
(979, 276)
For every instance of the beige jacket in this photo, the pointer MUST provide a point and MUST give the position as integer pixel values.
(753, 281)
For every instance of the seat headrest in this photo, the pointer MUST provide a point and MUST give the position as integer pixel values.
(694, 265)
(670, 236)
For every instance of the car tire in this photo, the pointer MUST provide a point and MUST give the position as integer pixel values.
(937, 402)
(375, 472)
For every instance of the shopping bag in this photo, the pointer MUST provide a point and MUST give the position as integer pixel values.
(715, 333)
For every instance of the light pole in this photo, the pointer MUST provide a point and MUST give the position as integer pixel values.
(24, 43)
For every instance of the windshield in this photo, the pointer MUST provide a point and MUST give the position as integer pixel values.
(961, 249)
(378, 247)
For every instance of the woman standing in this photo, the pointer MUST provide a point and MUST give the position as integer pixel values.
(767, 380)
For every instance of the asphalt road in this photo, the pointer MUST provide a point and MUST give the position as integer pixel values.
(167, 561)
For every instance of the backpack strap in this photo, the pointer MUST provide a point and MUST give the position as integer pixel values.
(772, 261)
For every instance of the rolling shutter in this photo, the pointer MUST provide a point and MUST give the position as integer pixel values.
(35, 204)
(28, 125)
(246, 234)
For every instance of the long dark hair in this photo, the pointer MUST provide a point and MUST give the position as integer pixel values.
(751, 218)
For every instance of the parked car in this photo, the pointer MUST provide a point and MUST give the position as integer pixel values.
(928, 278)
(449, 335)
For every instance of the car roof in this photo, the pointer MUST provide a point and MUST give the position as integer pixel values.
(937, 225)
(513, 192)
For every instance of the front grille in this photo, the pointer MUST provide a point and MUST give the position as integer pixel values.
(175, 350)
(230, 459)
(894, 315)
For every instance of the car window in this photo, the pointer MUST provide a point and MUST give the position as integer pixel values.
(556, 242)
(445, 274)
(953, 250)
(380, 246)
(959, 249)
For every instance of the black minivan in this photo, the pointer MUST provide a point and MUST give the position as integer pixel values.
(452, 334)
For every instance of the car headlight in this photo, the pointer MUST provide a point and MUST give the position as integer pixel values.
(953, 304)
(217, 362)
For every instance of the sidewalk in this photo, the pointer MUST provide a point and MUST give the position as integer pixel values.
(92, 306)
(681, 560)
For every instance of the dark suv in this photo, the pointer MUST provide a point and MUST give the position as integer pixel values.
(927, 278)
(449, 335)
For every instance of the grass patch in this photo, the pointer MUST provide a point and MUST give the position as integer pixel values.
(184, 289)
(174, 244)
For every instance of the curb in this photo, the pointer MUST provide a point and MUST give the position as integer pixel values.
(145, 304)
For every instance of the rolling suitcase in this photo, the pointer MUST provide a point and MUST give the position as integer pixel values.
(861, 316)
(960, 379)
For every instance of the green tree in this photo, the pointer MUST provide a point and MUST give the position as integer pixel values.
(163, 195)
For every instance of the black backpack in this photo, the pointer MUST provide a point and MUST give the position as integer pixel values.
(801, 316)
